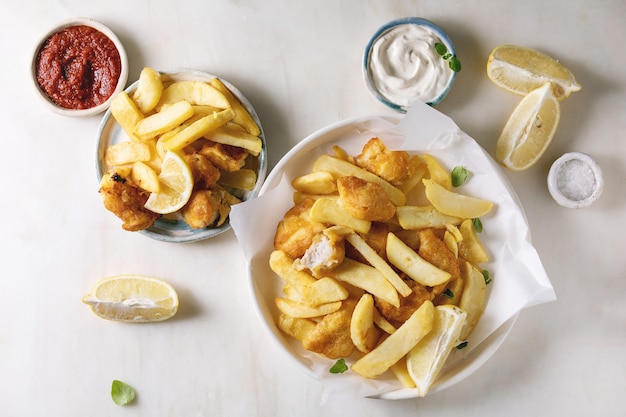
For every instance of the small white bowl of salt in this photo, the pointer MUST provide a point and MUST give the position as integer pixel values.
(575, 180)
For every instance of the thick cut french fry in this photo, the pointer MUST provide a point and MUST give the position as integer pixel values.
(362, 330)
(437, 172)
(234, 135)
(198, 129)
(451, 243)
(473, 299)
(328, 210)
(379, 263)
(145, 177)
(242, 116)
(382, 323)
(416, 178)
(123, 153)
(298, 328)
(282, 265)
(421, 217)
(165, 120)
(300, 310)
(408, 261)
(244, 179)
(366, 277)
(125, 112)
(398, 344)
(149, 90)
(471, 248)
(340, 168)
(401, 372)
(320, 182)
(455, 204)
(199, 93)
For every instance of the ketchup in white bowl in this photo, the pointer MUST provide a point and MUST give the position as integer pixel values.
(408, 60)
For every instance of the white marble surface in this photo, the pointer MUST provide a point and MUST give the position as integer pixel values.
(299, 64)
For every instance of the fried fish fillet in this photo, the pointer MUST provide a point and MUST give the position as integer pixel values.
(365, 200)
(434, 250)
(408, 304)
(331, 336)
(126, 201)
(204, 173)
(294, 234)
(209, 207)
(392, 166)
(225, 157)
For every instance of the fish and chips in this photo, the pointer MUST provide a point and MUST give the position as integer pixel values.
(363, 271)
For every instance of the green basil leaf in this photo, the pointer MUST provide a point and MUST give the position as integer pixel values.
(487, 277)
(478, 225)
(441, 48)
(448, 293)
(339, 367)
(455, 64)
(122, 393)
(459, 176)
(461, 345)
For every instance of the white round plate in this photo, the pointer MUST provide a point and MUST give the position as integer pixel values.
(351, 135)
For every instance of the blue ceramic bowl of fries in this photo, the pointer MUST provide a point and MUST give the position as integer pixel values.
(172, 227)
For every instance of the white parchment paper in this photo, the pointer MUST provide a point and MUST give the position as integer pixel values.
(519, 279)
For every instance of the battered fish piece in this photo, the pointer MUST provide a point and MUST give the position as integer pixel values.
(294, 234)
(225, 157)
(126, 201)
(392, 166)
(208, 208)
(331, 336)
(204, 173)
(434, 250)
(326, 252)
(408, 304)
(365, 200)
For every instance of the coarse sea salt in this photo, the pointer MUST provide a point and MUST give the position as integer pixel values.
(575, 180)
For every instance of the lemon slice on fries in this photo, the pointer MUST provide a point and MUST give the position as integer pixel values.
(132, 298)
(176, 185)
(426, 359)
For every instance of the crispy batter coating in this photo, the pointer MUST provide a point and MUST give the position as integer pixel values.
(331, 336)
(294, 234)
(408, 304)
(365, 200)
(208, 207)
(434, 250)
(225, 157)
(393, 166)
(204, 173)
(126, 201)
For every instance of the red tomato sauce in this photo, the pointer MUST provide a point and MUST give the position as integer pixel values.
(78, 67)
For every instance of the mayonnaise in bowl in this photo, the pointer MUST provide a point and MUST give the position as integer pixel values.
(402, 64)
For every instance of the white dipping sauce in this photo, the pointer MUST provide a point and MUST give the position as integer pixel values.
(404, 66)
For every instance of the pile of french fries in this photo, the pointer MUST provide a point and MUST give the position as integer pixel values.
(311, 296)
(166, 115)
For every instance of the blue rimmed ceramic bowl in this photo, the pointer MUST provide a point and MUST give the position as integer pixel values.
(407, 60)
(171, 228)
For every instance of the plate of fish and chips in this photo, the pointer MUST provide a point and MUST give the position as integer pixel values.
(515, 277)
(217, 133)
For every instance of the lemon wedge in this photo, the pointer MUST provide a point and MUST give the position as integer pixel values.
(426, 359)
(176, 185)
(521, 70)
(529, 130)
(132, 298)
